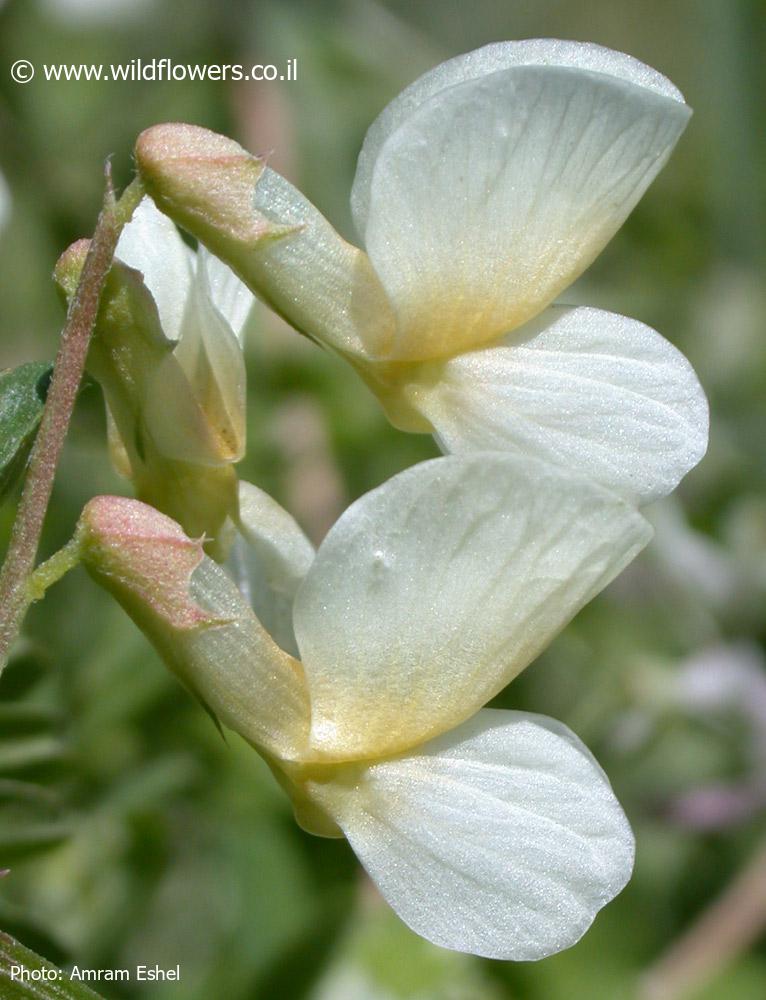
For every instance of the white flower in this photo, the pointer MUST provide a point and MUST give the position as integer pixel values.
(167, 351)
(195, 398)
(482, 192)
(493, 832)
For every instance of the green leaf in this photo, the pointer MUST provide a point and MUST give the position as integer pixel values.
(18, 965)
(23, 392)
(18, 843)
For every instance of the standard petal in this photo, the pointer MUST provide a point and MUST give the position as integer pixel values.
(481, 62)
(151, 244)
(433, 591)
(496, 193)
(580, 387)
(502, 838)
(230, 296)
(269, 561)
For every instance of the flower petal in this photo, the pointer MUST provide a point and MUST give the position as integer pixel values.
(433, 591)
(502, 838)
(495, 194)
(151, 244)
(269, 561)
(230, 296)
(211, 358)
(481, 62)
(205, 428)
(580, 387)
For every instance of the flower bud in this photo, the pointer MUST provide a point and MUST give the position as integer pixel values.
(170, 435)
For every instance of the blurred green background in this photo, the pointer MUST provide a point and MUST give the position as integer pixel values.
(133, 831)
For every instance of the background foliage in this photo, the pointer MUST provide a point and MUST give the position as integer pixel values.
(134, 833)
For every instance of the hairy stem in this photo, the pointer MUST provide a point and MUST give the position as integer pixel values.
(15, 592)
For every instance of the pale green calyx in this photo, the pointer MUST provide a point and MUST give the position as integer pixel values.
(145, 559)
(197, 620)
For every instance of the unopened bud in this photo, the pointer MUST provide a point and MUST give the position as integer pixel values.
(69, 267)
(174, 440)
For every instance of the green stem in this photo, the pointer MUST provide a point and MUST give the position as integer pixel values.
(15, 592)
(53, 569)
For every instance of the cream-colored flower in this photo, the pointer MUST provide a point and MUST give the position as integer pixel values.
(482, 192)
(493, 832)
(167, 351)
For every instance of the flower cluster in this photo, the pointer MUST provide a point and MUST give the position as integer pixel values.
(360, 671)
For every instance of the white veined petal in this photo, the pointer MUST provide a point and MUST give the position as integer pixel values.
(268, 561)
(492, 59)
(502, 838)
(151, 244)
(495, 194)
(433, 591)
(211, 355)
(180, 427)
(231, 297)
(581, 387)
(203, 386)
(322, 285)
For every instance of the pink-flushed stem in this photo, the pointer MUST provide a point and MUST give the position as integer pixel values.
(724, 931)
(15, 594)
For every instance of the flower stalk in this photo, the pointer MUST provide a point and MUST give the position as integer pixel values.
(15, 592)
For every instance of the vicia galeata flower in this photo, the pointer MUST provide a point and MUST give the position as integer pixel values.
(167, 351)
(482, 192)
(488, 831)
